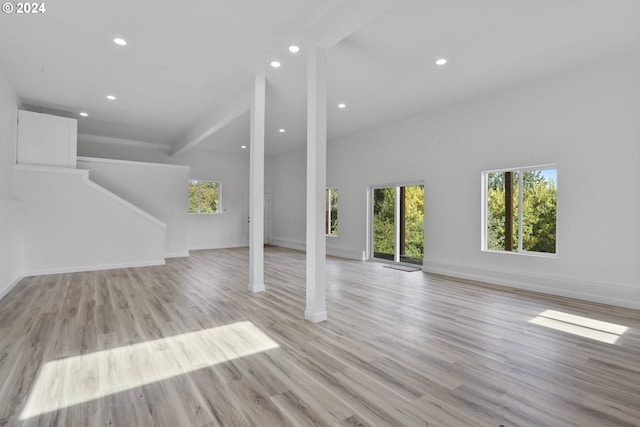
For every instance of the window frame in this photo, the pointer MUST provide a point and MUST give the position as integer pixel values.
(199, 182)
(485, 213)
(327, 212)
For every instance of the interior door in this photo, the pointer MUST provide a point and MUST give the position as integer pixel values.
(267, 217)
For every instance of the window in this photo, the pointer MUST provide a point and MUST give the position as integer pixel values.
(331, 212)
(520, 210)
(204, 197)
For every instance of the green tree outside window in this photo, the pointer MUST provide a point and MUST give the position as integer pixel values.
(536, 217)
(204, 196)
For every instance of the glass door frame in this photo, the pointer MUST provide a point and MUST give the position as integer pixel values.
(370, 218)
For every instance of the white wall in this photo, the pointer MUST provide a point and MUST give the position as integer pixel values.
(585, 119)
(229, 228)
(8, 135)
(88, 147)
(72, 224)
(158, 189)
(206, 231)
(11, 244)
(47, 140)
(288, 175)
(11, 225)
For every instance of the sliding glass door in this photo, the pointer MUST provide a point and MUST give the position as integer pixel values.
(384, 225)
(398, 223)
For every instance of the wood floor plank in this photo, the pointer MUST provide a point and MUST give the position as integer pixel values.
(186, 344)
(296, 410)
(257, 407)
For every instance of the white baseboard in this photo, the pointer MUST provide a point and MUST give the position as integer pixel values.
(604, 293)
(10, 286)
(219, 246)
(177, 254)
(289, 244)
(315, 317)
(301, 246)
(345, 253)
(62, 270)
(257, 288)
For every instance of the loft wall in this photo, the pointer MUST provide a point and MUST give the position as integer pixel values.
(584, 119)
(227, 229)
(155, 188)
(74, 224)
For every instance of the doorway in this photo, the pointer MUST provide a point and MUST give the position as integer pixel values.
(267, 217)
(397, 229)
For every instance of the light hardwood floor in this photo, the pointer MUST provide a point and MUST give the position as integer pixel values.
(186, 344)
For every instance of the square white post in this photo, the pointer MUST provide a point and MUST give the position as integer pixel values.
(256, 186)
(316, 310)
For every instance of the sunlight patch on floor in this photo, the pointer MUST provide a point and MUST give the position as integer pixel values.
(581, 326)
(74, 380)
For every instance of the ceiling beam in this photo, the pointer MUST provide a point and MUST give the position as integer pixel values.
(213, 122)
(335, 24)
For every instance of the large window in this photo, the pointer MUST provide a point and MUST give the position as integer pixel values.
(331, 212)
(520, 210)
(204, 197)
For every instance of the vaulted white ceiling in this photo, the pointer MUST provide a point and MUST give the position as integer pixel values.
(185, 62)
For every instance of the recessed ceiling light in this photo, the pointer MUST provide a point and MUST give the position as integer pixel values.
(282, 130)
(342, 105)
(111, 97)
(243, 147)
(294, 49)
(441, 61)
(119, 41)
(275, 64)
(83, 114)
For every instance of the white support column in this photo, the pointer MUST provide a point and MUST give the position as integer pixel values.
(256, 186)
(316, 310)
